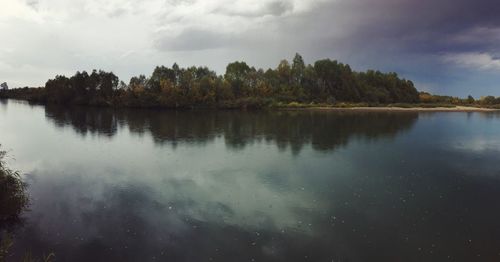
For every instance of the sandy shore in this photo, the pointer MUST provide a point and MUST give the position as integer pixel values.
(410, 109)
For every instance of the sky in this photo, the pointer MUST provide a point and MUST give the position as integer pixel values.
(444, 46)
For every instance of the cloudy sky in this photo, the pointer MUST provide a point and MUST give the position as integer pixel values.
(444, 46)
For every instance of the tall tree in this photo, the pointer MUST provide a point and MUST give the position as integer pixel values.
(236, 75)
(298, 69)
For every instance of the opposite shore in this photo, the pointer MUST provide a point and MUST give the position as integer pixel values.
(325, 85)
(341, 107)
(401, 109)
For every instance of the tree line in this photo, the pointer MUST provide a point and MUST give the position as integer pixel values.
(484, 101)
(324, 82)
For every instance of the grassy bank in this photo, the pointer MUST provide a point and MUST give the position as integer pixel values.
(13, 197)
(295, 105)
(13, 201)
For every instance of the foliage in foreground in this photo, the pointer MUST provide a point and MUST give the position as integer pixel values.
(6, 244)
(13, 200)
(13, 197)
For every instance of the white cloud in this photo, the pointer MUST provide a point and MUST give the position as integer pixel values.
(480, 61)
(131, 37)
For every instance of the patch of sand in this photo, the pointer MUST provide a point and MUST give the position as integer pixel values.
(411, 109)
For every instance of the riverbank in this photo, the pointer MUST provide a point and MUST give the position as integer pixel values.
(326, 107)
(409, 107)
(402, 109)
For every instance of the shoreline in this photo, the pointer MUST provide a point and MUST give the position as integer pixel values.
(401, 109)
(305, 108)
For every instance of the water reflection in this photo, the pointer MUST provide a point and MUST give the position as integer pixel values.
(287, 129)
(127, 185)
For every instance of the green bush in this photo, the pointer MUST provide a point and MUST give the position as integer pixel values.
(13, 197)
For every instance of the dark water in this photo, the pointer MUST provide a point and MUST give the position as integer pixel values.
(138, 185)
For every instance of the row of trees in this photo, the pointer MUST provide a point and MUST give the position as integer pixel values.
(437, 99)
(325, 81)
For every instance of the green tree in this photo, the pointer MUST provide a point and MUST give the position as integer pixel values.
(298, 70)
(470, 100)
(326, 81)
(236, 75)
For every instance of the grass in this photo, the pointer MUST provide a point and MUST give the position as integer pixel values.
(13, 196)
(422, 105)
(293, 105)
(13, 200)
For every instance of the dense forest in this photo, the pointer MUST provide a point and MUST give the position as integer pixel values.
(324, 82)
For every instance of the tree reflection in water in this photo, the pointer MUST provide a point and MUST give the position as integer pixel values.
(256, 213)
(325, 131)
(136, 185)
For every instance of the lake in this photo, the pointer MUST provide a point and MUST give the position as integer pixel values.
(146, 185)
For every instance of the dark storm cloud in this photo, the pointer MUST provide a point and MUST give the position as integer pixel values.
(426, 26)
(420, 39)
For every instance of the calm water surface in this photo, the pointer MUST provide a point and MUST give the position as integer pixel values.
(139, 185)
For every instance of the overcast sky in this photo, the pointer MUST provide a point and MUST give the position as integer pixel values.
(444, 46)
